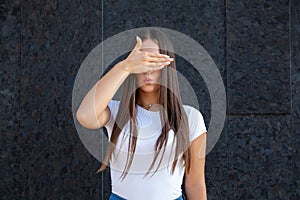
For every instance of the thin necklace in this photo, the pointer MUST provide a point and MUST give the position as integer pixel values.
(148, 106)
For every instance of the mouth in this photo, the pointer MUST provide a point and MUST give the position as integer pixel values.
(148, 81)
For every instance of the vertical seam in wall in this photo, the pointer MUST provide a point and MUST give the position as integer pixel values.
(291, 57)
(20, 81)
(226, 90)
(102, 61)
(225, 53)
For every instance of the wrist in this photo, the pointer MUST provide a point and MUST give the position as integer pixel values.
(124, 67)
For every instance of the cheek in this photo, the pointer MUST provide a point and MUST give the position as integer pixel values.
(157, 75)
(139, 78)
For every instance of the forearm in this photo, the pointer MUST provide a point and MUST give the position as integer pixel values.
(98, 97)
(196, 192)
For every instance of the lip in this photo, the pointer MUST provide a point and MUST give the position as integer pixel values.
(148, 80)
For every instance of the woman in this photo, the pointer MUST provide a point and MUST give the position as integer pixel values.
(154, 139)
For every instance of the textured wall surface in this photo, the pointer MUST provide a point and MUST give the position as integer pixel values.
(255, 45)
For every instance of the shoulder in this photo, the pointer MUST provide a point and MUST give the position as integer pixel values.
(196, 122)
(192, 113)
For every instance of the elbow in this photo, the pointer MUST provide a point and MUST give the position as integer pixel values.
(196, 191)
(86, 122)
(195, 185)
(82, 120)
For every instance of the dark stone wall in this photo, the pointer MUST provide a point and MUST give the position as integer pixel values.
(255, 45)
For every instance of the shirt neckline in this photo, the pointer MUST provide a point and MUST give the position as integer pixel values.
(146, 111)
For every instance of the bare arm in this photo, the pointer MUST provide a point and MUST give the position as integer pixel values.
(195, 186)
(93, 111)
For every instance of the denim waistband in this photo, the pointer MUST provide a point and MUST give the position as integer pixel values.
(113, 196)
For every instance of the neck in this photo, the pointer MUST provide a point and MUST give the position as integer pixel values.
(147, 99)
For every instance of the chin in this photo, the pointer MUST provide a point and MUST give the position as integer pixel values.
(149, 88)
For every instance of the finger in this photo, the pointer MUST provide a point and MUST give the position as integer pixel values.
(158, 55)
(138, 43)
(157, 59)
(157, 66)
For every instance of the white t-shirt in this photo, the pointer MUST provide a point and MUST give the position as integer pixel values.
(162, 185)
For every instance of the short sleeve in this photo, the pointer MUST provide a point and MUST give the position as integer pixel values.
(196, 123)
(113, 106)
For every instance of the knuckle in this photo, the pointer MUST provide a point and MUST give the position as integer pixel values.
(144, 56)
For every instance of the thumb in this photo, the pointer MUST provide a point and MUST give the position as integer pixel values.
(138, 43)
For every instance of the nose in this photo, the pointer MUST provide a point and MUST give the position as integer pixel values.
(148, 73)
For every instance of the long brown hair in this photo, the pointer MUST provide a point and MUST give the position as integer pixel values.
(172, 115)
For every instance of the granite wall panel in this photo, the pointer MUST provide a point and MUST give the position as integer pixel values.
(295, 60)
(56, 37)
(261, 152)
(11, 158)
(258, 57)
(217, 168)
(254, 44)
(295, 87)
(201, 20)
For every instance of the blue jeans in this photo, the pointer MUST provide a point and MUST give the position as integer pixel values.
(116, 197)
